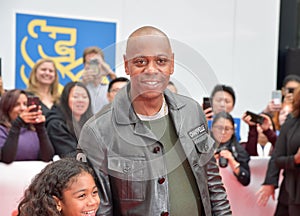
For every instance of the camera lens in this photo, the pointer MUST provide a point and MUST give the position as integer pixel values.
(223, 162)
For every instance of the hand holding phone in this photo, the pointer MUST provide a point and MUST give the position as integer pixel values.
(276, 97)
(255, 118)
(94, 66)
(33, 100)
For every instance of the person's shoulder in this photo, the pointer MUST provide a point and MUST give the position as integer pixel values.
(54, 115)
(100, 115)
(179, 98)
(290, 122)
(3, 129)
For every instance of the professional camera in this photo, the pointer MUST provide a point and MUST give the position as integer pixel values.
(223, 162)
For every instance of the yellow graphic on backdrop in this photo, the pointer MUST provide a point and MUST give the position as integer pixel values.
(65, 59)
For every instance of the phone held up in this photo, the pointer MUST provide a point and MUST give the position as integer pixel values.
(94, 66)
(33, 100)
(206, 103)
(276, 97)
(255, 118)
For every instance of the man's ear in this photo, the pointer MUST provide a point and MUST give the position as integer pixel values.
(58, 203)
(126, 64)
(172, 68)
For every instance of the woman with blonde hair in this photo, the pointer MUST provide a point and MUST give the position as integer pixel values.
(43, 82)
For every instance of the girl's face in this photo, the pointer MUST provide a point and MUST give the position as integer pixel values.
(223, 130)
(78, 101)
(45, 73)
(81, 197)
(19, 107)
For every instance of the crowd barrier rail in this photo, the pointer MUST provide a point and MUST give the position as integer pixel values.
(16, 176)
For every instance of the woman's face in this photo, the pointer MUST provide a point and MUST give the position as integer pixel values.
(223, 130)
(81, 197)
(19, 107)
(78, 101)
(222, 101)
(45, 73)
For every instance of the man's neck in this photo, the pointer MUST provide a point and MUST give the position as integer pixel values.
(146, 106)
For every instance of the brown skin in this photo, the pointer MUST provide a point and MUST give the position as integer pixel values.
(149, 62)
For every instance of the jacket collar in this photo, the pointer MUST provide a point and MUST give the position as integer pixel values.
(123, 110)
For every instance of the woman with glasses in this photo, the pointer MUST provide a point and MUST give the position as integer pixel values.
(229, 151)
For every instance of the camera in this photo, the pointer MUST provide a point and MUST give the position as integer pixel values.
(94, 65)
(223, 162)
(255, 118)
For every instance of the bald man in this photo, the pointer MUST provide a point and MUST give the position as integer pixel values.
(150, 148)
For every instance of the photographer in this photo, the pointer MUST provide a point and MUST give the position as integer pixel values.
(229, 151)
(261, 136)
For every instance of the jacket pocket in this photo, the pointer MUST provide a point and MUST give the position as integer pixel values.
(204, 143)
(128, 177)
(205, 146)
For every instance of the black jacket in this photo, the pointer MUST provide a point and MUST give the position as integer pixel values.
(63, 140)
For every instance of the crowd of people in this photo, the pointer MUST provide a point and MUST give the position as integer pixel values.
(143, 141)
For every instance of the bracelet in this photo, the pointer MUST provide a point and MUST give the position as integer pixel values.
(237, 166)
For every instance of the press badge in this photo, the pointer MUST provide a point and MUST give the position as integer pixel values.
(196, 133)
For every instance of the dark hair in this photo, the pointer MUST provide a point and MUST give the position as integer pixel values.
(224, 88)
(118, 79)
(296, 103)
(64, 106)
(7, 103)
(289, 78)
(94, 50)
(224, 115)
(51, 181)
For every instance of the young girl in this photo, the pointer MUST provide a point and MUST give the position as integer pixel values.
(63, 188)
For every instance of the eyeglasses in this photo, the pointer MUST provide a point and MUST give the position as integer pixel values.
(221, 128)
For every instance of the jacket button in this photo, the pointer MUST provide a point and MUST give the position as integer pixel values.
(156, 149)
(205, 147)
(164, 214)
(161, 180)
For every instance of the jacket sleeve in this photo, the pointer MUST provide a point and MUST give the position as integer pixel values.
(46, 149)
(218, 197)
(271, 135)
(283, 160)
(251, 144)
(62, 140)
(273, 171)
(91, 145)
(243, 158)
(10, 146)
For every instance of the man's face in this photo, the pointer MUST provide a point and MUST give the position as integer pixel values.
(114, 90)
(149, 61)
(222, 101)
(91, 56)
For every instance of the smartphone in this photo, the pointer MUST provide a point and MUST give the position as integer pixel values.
(206, 103)
(276, 97)
(255, 118)
(94, 66)
(31, 100)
